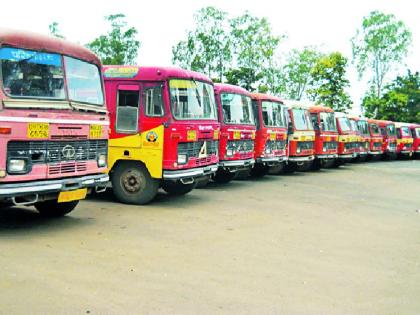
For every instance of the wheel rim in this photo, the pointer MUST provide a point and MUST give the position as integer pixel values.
(133, 181)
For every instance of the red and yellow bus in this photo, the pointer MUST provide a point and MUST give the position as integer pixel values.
(348, 141)
(415, 132)
(53, 123)
(326, 136)
(271, 139)
(301, 137)
(237, 131)
(389, 138)
(164, 130)
(376, 140)
(404, 140)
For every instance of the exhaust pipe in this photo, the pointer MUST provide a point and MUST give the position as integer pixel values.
(187, 181)
(25, 202)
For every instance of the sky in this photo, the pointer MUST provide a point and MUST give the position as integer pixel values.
(327, 24)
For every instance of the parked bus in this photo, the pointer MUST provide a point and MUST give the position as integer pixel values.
(404, 140)
(271, 138)
(361, 127)
(326, 136)
(415, 132)
(164, 131)
(53, 123)
(301, 137)
(237, 131)
(389, 138)
(348, 143)
(375, 147)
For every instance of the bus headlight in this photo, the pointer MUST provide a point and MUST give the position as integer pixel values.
(102, 160)
(229, 152)
(182, 158)
(17, 166)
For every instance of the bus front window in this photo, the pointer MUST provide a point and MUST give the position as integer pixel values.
(32, 74)
(193, 100)
(236, 109)
(273, 114)
(328, 122)
(301, 119)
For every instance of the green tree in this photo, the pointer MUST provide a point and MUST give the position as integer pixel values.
(400, 101)
(379, 45)
(207, 48)
(295, 76)
(329, 82)
(119, 45)
(54, 30)
(254, 46)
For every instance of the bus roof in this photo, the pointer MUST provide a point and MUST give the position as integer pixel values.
(402, 124)
(137, 73)
(266, 97)
(320, 109)
(45, 43)
(229, 88)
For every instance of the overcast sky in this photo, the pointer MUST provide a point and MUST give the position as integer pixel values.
(328, 24)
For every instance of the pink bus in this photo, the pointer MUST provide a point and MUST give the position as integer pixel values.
(53, 123)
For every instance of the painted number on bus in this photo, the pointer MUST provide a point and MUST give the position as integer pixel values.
(38, 130)
(95, 131)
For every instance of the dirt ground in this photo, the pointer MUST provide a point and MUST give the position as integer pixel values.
(343, 241)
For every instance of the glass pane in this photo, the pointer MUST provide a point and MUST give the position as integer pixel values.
(301, 119)
(273, 114)
(328, 122)
(153, 102)
(127, 111)
(236, 108)
(28, 73)
(192, 100)
(344, 124)
(84, 82)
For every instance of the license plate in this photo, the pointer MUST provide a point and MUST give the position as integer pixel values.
(95, 131)
(191, 135)
(38, 130)
(273, 136)
(67, 196)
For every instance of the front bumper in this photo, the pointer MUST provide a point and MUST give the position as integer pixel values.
(405, 152)
(190, 173)
(327, 156)
(44, 187)
(301, 158)
(271, 160)
(347, 156)
(375, 152)
(236, 164)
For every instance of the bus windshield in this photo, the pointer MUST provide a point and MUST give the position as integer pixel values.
(344, 124)
(405, 132)
(390, 130)
(417, 132)
(83, 81)
(353, 125)
(192, 99)
(273, 114)
(375, 129)
(34, 74)
(236, 109)
(363, 127)
(301, 119)
(328, 121)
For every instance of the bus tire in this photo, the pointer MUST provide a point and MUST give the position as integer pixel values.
(223, 176)
(259, 170)
(289, 168)
(53, 208)
(177, 188)
(132, 183)
(328, 163)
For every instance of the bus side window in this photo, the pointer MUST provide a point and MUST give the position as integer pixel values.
(314, 118)
(127, 111)
(153, 101)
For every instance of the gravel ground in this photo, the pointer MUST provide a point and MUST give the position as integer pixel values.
(342, 241)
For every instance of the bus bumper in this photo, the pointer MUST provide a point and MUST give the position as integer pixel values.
(190, 173)
(301, 158)
(236, 165)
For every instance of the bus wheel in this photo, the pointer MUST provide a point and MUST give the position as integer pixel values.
(177, 188)
(259, 170)
(277, 170)
(306, 166)
(328, 163)
(132, 183)
(223, 176)
(202, 182)
(316, 165)
(289, 168)
(53, 208)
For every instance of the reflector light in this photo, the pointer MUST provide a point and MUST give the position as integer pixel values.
(5, 131)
